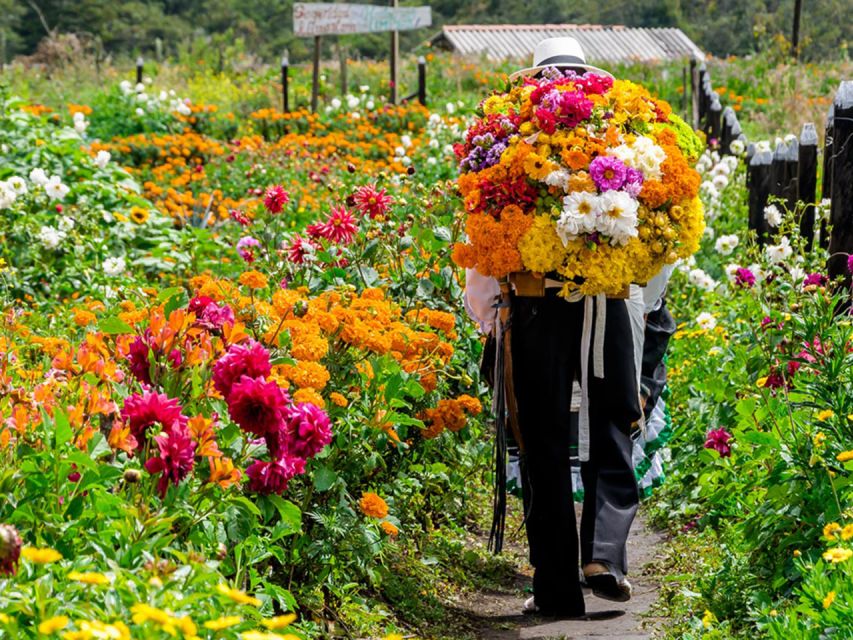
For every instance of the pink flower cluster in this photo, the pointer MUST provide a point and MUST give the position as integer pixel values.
(293, 432)
(718, 440)
(209, 315)
(340, 227)
(275, 197)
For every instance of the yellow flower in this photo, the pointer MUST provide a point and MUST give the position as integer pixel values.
(761, 382)
(240, 597)
(797, 553)
(831, 529)
(393, 636)
(40, 556)
(837, 554)
(253, 280)
(774, 613)
(89, 578)
(826, 414)
(52, 625)
(708, 619)
(829, 599)
(844, 456)
(223, 622)
(4, 619)
(819, 439)
(279, 622)
(265, 635)
(139, 215)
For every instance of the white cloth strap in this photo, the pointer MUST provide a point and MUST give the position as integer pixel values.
(593, 306)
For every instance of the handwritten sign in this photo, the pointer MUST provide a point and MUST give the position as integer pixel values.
(321, 19)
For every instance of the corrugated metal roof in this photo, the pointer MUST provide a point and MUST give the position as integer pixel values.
(600, 43)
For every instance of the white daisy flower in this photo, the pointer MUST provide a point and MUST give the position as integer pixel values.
(38, 177)
(618, 217)
(102, 159)
(779, 253)
(55, 189)
(50, 237)
(772, 215)
(17, 184)
(114, 266)
(706, 321)
(726, 244)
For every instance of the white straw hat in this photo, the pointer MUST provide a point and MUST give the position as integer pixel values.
(558, 52)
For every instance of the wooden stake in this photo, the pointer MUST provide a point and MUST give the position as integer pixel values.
(342, 62)
(795, 32)
(807, 181)
(841, 215)
(826, 179)
(395, 59)
(315, 81)
(758, 174)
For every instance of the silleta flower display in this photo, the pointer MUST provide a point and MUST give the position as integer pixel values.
(582, 177)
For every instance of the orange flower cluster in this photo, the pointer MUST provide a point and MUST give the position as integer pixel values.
(450, 414)
(493, 244)
(373, 506)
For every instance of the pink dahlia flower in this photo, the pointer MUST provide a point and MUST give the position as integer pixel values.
(251, 360)
(299, 249)
(177, 457)
(141, 411)
(371, 201)
(246, 247)
(308, 430)
(275, 198)
(744, 278)
(340, 227)
(272, 477)
(608, 173)
(258, 407)
(10, 550)
(718, 440)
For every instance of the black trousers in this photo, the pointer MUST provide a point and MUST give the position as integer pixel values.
(546, 336)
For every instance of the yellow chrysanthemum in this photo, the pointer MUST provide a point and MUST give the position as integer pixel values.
(240, 597)
(52, 625)
(40, 556)
(825, 415)
(845, 456)
(837, 554)
(540, 247)
(829, 599)
(89, 578)
(279, 622)
(831, 529)
(223, 623)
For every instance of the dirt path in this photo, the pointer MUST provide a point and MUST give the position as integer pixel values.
(496, 615)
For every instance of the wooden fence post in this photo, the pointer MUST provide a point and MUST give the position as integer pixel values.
(826, 179)
(422, 80)
(139, 64)
(694, 94)
(715, 114)
(703, 83)
(807, 181)
(726, 136)
(315, 79)
(395, 60)
(841, 213)
(285, 81)
(759, 189)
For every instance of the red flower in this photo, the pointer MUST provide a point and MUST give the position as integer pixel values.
(275, 198)
(257, 406)
(299, 248)
(139, 357)
(718, 440)
(272, 477)
(251, 360)
(308, 430)
(372, 202)
(177, 457)
(339, 227)
(142, 411)
(10, 550)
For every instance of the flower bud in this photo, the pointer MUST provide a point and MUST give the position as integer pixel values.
(10, 550)
(131, 476)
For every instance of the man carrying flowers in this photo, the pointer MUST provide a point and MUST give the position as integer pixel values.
(576, 186)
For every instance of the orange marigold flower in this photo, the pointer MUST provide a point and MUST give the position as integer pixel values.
(83, 318)
(389, 528)
(338, 399)
(309, 395)
(471, 405)
(254, 280)
(373, 506)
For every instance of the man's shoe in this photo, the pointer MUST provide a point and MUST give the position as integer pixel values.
(607, 582)
(530, 608)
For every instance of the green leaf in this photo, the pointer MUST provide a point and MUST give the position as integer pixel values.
(247, 504)
(442, 233)
(324, 478)
(289, 512)
(62, 429)
(114, 325)
(760, 438)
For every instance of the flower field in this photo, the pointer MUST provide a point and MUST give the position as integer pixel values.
(241, 397)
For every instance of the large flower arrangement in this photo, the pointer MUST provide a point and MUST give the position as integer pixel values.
(583, 176)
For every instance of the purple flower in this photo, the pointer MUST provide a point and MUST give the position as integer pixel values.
(850, 263)
(633, 182)
(815, 279)
(718, 440)
(744, 278)
(245, 246)
(608, 173)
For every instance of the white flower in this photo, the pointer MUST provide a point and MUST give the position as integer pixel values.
(355, 115)
(720, 181)
(369, 105)
(618, 217)
(406, 141)
(558, 178)
(352, 102)
(7, 196)
(709, 190)
(364, 88)
(66, 224)
(336, 103)
(399, 152)
(709, 232)
(698, 278)
(780, 252)
(722, 169)
(797, 274)
(140, 112)
(102, 159)
(17, 184)
(772, 215)
(433, 143)
(448, 150)
(824, 208)
(125, 86)
(579, 215)
(184, 109)
(141, 97)
(38, 177)
(50, 237)
(450, 107)
(726, 244)
(731, 270)
(432, 161)
(55, 189)
(706, 321)
(434, 119)
(114, 266)
(140, 87)
(405, 161)
(737, 147)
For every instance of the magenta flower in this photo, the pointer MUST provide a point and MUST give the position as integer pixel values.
(177, 457)
(634, 179)
(300, 249)
(814, 279)
(245, 246)
(608, 173)
(372, 202)
(308, 430)
(718, 440)
(574, 108)
(744, 278)
(275, 198)
(258, 407)
(142, 411)
(340, 227)
(272, 477)
(250, 359)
